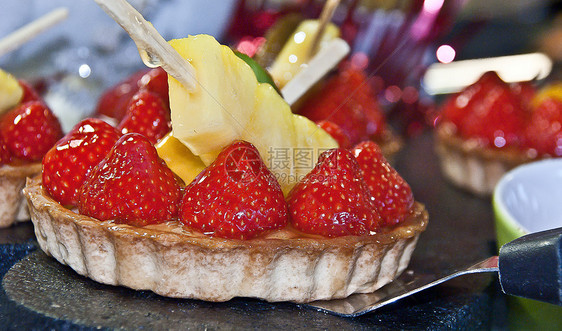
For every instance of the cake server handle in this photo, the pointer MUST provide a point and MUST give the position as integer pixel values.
(531, 266)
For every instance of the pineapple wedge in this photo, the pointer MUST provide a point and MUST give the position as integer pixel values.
(216, 113)
(295, 52)
(10, 91)
(230, 104)
(179, 158)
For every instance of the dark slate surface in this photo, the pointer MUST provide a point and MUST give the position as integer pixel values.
(39, 293)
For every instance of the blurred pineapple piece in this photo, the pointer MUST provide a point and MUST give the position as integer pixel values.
(295, 53)
(11, 91)
(552, 90)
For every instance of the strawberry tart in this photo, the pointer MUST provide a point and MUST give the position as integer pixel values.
(491, 127)
(228, 226)
(349, 227)
(28, 129)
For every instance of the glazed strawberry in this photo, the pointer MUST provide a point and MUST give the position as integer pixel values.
(348, 101)
(66, 165)
(390, 193)
(333, 199)
(490, 110)
(336, 132)
(131, 185)
(459, 105)
(30, 130)
(5, 156)
(498, 118)
(147, 115)
(156, 80)
(544, 132)
(114, 102)
(236, 197)
(29, 93)
(525, 91)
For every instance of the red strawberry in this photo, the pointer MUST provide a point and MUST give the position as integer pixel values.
(333, 199)
(498, 118)
(544, 132)
(29, 93)
(457, 107)
(525, 91)
(156, 80)
(336, 132)
(5, 156)
(30, 130)
(114, 102)
(146, 115)
(490, 110)
(131, 185)
(347, 100)
(66, 165)
(235, 197)
(390, 193)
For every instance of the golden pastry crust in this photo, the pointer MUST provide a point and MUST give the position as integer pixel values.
(472, 165)
(170, 260)
(13, 207)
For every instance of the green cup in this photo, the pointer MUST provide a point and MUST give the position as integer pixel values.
(529, 199)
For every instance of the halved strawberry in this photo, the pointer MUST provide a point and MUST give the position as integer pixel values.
(131, 185)
(348, 101)
(336, 132)
(235, 197)
(333, 199)
(544, 132)
(66, 165)
(147, 115)
(390, 193)
(30, 130)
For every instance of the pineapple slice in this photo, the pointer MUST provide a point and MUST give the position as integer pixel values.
(216, 113)
(230, 104)
(10, 91)
(179, 158)
(295, 53)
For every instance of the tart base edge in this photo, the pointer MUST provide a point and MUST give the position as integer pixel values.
(214, 269)
(471, 166)
(13, 208)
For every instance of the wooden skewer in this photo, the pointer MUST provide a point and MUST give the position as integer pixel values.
(27, 32)
(326, 59)
(325, 17)
(153, 48)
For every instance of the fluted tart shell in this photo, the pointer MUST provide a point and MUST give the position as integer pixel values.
(13, 207)
(172, 261)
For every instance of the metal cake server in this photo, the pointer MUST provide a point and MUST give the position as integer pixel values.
(530, 267)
